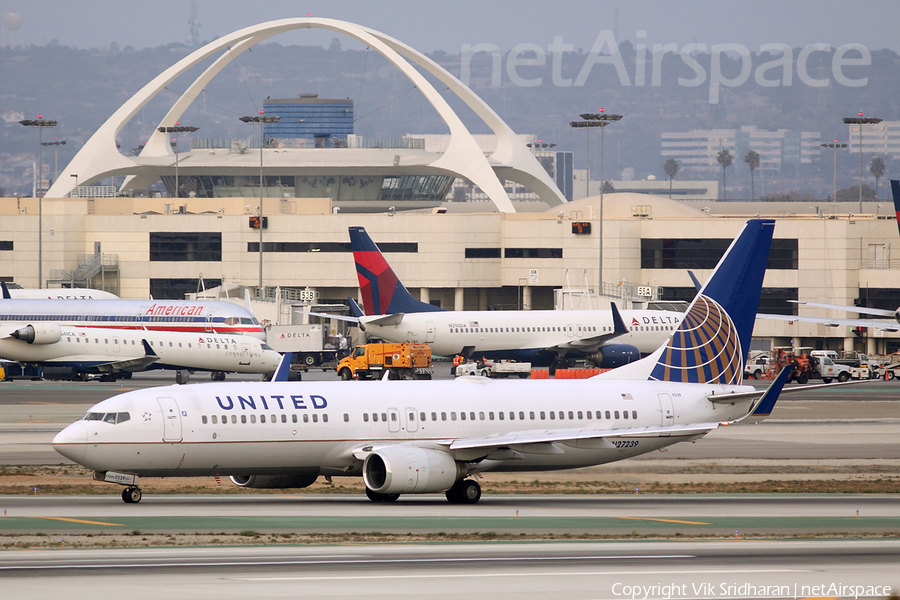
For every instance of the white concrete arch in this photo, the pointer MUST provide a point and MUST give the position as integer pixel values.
(99, 157)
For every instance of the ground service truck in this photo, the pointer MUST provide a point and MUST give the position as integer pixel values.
(402, 361)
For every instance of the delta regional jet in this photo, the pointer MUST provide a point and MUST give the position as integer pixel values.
(551, 338)
(414, 437)
(78, 352)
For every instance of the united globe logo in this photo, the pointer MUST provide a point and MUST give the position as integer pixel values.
(704, 349)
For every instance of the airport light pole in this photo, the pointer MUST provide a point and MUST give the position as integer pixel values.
(260, 118)
(859, 122)
(178, 128)
(601, 120)
(40, 123)
(56, 143)
(834, 145)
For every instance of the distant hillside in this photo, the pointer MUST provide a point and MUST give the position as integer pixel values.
(81, 88)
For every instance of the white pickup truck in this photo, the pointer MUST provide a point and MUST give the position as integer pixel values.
(496, 369)
(822, 365)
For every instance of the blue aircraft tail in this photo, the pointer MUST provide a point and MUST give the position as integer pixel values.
(713, 339)
(382, 291)
(895, 192)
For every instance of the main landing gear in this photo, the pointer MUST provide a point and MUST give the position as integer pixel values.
(464, 491)
(376, 497)
(131, 495)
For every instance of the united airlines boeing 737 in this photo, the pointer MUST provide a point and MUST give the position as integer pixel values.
(552, 338)
(413, 437)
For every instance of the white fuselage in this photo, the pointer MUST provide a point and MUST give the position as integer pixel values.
(448, 332)
(61, 294)
(85, 348)
(195, 316)
(323, 427)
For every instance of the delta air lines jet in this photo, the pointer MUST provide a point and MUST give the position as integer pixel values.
(551, 338)
(414, 437)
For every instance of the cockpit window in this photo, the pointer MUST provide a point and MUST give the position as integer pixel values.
(266, 346)
(108, 417)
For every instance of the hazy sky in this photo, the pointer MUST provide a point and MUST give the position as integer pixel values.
(430, 25)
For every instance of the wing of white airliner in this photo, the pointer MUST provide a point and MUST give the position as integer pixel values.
(884, 324)
(856, 309)
(587, 344)
(522, 441)
(137, 363)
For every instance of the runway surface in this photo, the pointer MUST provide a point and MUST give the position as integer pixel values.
(596, 515)
(522, 571)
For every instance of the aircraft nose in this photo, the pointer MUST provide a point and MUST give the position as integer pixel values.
(71, 442)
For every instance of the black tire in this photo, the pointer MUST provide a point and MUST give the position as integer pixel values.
(484, 373)
(309, 360)
(376, 497)
(126, 498)
(131, 495)
(890, 375)
(757, 374)
(127, 374)
(826, 380)
(345, 374)
(845, 376)
(464, 491)
(552, 370)
(803, 378)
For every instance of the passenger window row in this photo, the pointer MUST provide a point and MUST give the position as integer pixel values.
(519, 329)
(253, 418)
(512, 415)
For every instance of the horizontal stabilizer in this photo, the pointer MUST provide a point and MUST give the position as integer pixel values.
(332, 316)
(386, 320)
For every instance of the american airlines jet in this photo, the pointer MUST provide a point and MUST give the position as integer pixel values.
(82, 351)
(552, 338)
(195, 316)
(415, 437)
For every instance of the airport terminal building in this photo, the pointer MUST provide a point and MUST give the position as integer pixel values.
(469, 260)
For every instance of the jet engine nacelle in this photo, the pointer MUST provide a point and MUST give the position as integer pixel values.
(42, 333)
(269, 482)
(615, 355)
(410, 470)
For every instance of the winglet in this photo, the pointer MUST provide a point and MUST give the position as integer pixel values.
(148, 350)
(6, 295)
(768, 400)
(284, 367)
(697, 285)
(619, 327)
(383, 293)
(895, 191)
(355, 310)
